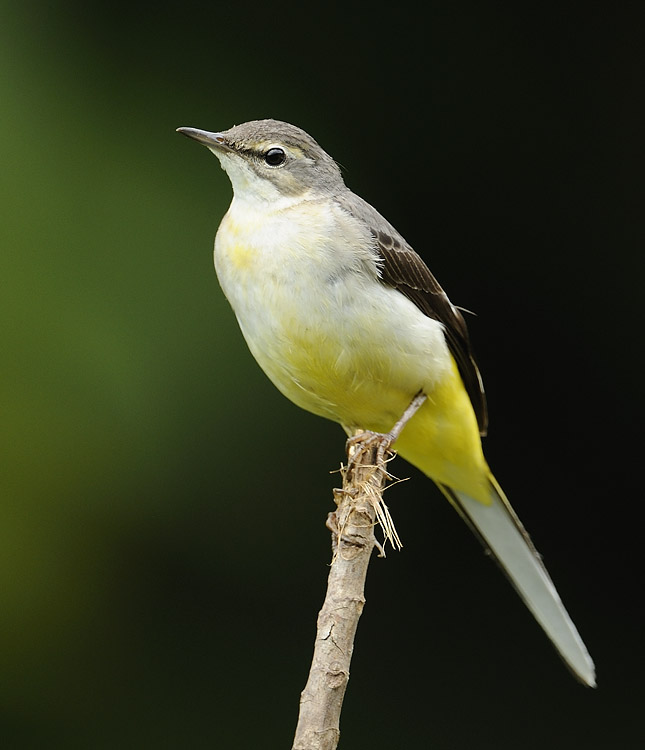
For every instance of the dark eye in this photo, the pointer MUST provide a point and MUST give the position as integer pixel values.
(274, 157)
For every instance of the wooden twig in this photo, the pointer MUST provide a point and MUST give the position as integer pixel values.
(360, 507)
(352, 527)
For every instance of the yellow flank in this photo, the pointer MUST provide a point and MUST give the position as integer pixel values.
(443, 441)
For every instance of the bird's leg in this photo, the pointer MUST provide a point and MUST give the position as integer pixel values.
(385, 440)
(416, 403)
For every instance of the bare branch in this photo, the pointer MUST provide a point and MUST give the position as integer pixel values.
(352, 526)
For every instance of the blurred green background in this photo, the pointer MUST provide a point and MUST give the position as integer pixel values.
(163, 551)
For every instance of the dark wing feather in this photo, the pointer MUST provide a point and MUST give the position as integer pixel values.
(403, 269)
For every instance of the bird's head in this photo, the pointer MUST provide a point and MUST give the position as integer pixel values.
(269, 159)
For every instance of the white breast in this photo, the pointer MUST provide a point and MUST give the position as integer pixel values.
(303, 282)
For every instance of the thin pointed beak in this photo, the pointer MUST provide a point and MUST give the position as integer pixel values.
(212, 140)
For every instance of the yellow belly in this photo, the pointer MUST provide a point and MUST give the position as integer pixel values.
(363, 389)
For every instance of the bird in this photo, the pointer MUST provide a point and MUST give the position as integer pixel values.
(348, 322)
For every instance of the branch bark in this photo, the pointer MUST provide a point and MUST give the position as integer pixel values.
(352, 527)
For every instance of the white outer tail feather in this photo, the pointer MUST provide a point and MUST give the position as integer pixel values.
(501, 530)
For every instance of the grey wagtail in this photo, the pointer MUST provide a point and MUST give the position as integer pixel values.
(349, 323)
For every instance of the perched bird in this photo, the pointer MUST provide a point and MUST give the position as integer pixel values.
(349, 323)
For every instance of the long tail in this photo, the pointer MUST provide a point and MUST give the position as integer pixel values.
(501, 530)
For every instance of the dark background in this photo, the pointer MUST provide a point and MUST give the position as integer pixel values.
(163, 550)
